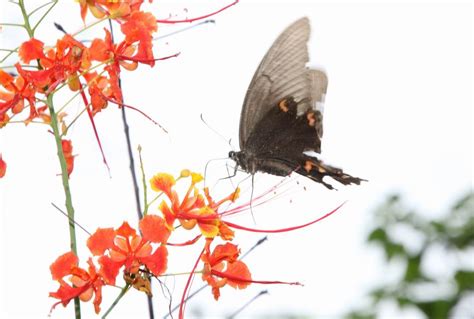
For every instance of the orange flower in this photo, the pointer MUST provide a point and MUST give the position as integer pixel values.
(221, 267)
(59, 64)
(84, 283)
(17, 90)
(113, 9)
(31, 50)
(192, 209)
(181, 210)
(3, 167)
(124, 247)
(140, 27)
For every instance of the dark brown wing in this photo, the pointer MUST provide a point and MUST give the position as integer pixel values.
(284, 134)
(280, 138)
(281, 73)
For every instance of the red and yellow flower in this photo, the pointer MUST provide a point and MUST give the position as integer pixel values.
(123, 247)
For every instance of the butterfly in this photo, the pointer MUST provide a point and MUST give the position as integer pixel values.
(282, 116)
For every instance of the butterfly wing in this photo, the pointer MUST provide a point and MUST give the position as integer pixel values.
(282, 115)
(282, 72)
(279, 140)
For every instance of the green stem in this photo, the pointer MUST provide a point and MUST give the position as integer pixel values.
(60, 153)
(39, 8)
(145, 191)
(12, 25)
(90, 25)
(122, 293)
(31, 32)
(44, 15)
(67, 190)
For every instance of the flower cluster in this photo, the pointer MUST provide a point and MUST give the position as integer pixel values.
(139, 256)
(93, 70)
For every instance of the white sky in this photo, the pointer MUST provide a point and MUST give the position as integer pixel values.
(398, 112)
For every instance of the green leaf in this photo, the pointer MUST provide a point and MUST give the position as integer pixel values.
(464, 280)
(393, 249)
(413, 272)
(379, 235)
(436, 309)
(360, 315)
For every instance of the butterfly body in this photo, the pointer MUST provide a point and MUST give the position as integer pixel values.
(282, 114)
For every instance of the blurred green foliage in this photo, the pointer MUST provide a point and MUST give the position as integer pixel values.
(409, 239)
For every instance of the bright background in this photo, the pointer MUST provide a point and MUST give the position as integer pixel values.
(398, 112)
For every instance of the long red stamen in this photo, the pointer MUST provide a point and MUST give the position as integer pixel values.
(127, 58)
(282, 230)
(265, 282)
(135, 109)
(188, 284)
(186, 243)
(198, 18)
(91, 118)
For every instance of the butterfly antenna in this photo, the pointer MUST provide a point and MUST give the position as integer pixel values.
(216, 132)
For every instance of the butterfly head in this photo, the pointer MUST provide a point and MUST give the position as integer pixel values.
(240, 159)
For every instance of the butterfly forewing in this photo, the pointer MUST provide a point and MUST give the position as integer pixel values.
(281, 73)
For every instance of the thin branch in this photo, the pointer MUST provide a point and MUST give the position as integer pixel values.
(65, 214)
(12, 25)
(40, 7)
(44, 15)
(122, 293)
(261, 293)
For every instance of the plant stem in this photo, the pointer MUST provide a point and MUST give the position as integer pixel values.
(60, 154)
(31, 32)
(122, 293)
(67, 190)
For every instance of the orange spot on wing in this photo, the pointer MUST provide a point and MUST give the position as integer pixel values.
(283, 105)
(311, 118)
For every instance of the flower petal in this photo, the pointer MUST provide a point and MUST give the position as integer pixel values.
(240, 270)
(158, 262)
(101, 240)
(31, 50)
(63, 265)
(126, 231)
(3, 167)
(109, 269)
(162, 182)
(153, 228)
